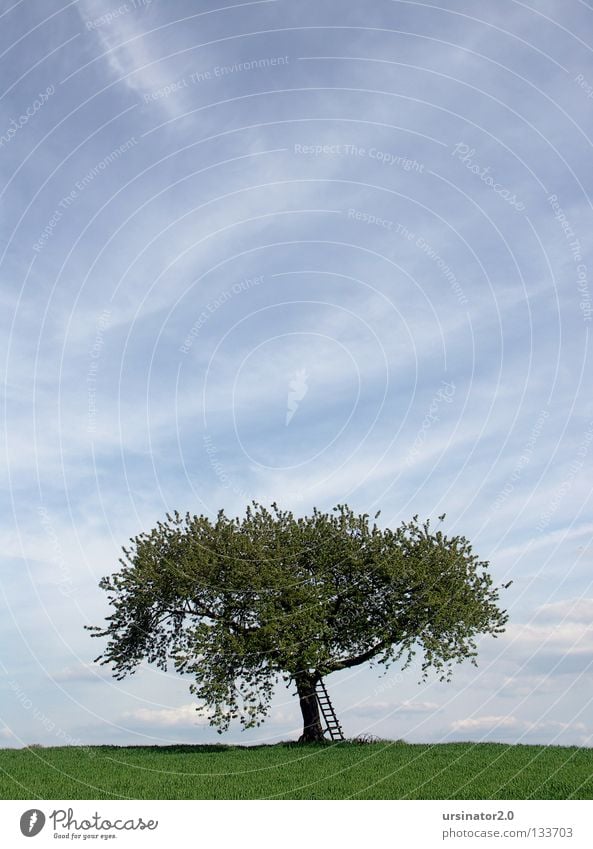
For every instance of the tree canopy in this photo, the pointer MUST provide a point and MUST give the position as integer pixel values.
(240, 603)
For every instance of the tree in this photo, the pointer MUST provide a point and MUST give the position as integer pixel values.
(240, 603)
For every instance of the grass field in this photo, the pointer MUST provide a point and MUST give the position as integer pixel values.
(385, 770)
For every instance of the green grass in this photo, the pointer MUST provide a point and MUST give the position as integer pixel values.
(384, 770)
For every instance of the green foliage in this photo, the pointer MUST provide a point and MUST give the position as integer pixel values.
(239, 603)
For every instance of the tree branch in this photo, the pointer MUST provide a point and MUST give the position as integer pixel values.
(211, 614)
(361, 658)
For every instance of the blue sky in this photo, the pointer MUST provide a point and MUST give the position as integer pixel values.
(303, 252)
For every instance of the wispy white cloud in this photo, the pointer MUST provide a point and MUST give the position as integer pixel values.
(185, 716)
(391, 710)
(486, 723)
(81, 672)
(579, 610)
(130, 57)
(563, 625)
(492, 723)
(548, 540)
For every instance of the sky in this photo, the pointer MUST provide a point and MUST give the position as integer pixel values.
(310, 253)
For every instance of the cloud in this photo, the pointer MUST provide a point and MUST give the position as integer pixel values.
(529, 685)
(81, 672)
(125, 49)
(569, 610)
(387, 710)
(558, 640)
(563, 635)
(562, 663)
(492, 723)
(485, 723)
(563, 627)
(186, 716)
(546, 541)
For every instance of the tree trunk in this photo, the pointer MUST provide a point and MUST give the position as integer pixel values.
(312, 728)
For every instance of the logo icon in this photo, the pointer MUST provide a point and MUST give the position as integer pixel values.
(32, 822)
(298, 388)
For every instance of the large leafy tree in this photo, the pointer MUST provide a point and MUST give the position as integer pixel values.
(240, 603)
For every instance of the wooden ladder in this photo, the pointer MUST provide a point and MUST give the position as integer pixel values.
(332, 726)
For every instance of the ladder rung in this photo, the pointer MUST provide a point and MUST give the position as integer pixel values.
(332, 726)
